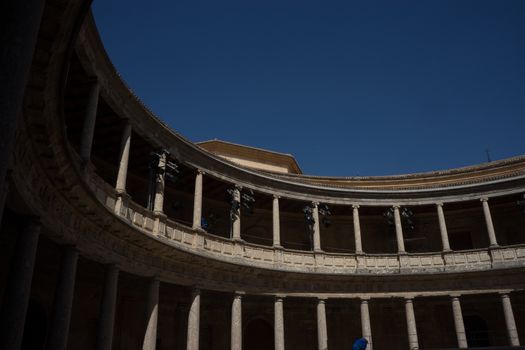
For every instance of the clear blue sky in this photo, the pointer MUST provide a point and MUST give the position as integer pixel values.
(348, 88)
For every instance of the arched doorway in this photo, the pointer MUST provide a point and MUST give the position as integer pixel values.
(476, 331)
(258, 335)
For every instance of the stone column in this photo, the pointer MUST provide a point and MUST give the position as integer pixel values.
(192, 340)
(322, 332)
(317, 228)
(357, 229)
(197, 200)
(366, 330)
(236, 329)
(413, 343)
(276, 223)
(488, 221)
(19, 24)
(443, 227)
(63, 301)
(458, 323)
(125, 145)
(88, 129)
(106, 321)
(158, 202)
(399, 231)
(279, 323)
(18, 287)
(236, 225)
(514, 340)
(152, 315)
(122, 174)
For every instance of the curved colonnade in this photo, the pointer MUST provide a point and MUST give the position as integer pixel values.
(64, 189)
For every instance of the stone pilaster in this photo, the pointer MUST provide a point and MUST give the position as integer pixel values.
(192, 340)
(152, 316)
(488, 220)
(276, 222)
(317, 228)
(366, 329)
(413, 343)
(357, 229)
(458, 323)
(197, 200)
(236, 327)
(18, 287)
(236, 224)
(107, 309)
(88, 129)
(443, 227)
(158, 201)
(399, 231)
(512, 332)
(322, 332)
(63, 300)
(279, 323)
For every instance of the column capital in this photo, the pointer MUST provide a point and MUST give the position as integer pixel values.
(365, 300)
(355, 206)
(276, 196)
(279, 297)
(455, 295)
(504, 294)
(238, 294)
(408, 299)
(439, 204)
(396, 206)
(315, 204)
(237, 187)
(321, 300)
(199, 171)
(484, 199)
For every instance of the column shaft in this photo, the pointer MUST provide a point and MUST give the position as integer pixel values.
(197, 201)
(63, 301)
(399, 231)
(411, 325)
(322, 332)
(276, 223)
(279, 324)
(357, 230)
(365, 323)
(443, 227)
(158, 202)
(236, 224)
(107, 309)
(88, 129)
(512, 332)
(152, 316)
(18, 287)
(236, 328)
(192, 340)
(488, 220)
(18, 34)
(125, 145)
(317, 228)
(458, 323)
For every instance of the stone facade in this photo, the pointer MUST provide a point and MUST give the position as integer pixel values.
(98, 253)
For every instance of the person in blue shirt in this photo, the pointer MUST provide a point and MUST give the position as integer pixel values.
(360, 344)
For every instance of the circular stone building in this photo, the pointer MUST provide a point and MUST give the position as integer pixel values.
(118, 233)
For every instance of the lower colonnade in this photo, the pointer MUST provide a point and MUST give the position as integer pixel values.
(18, 291)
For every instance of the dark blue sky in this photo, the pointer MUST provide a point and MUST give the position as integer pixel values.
(348, 88)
